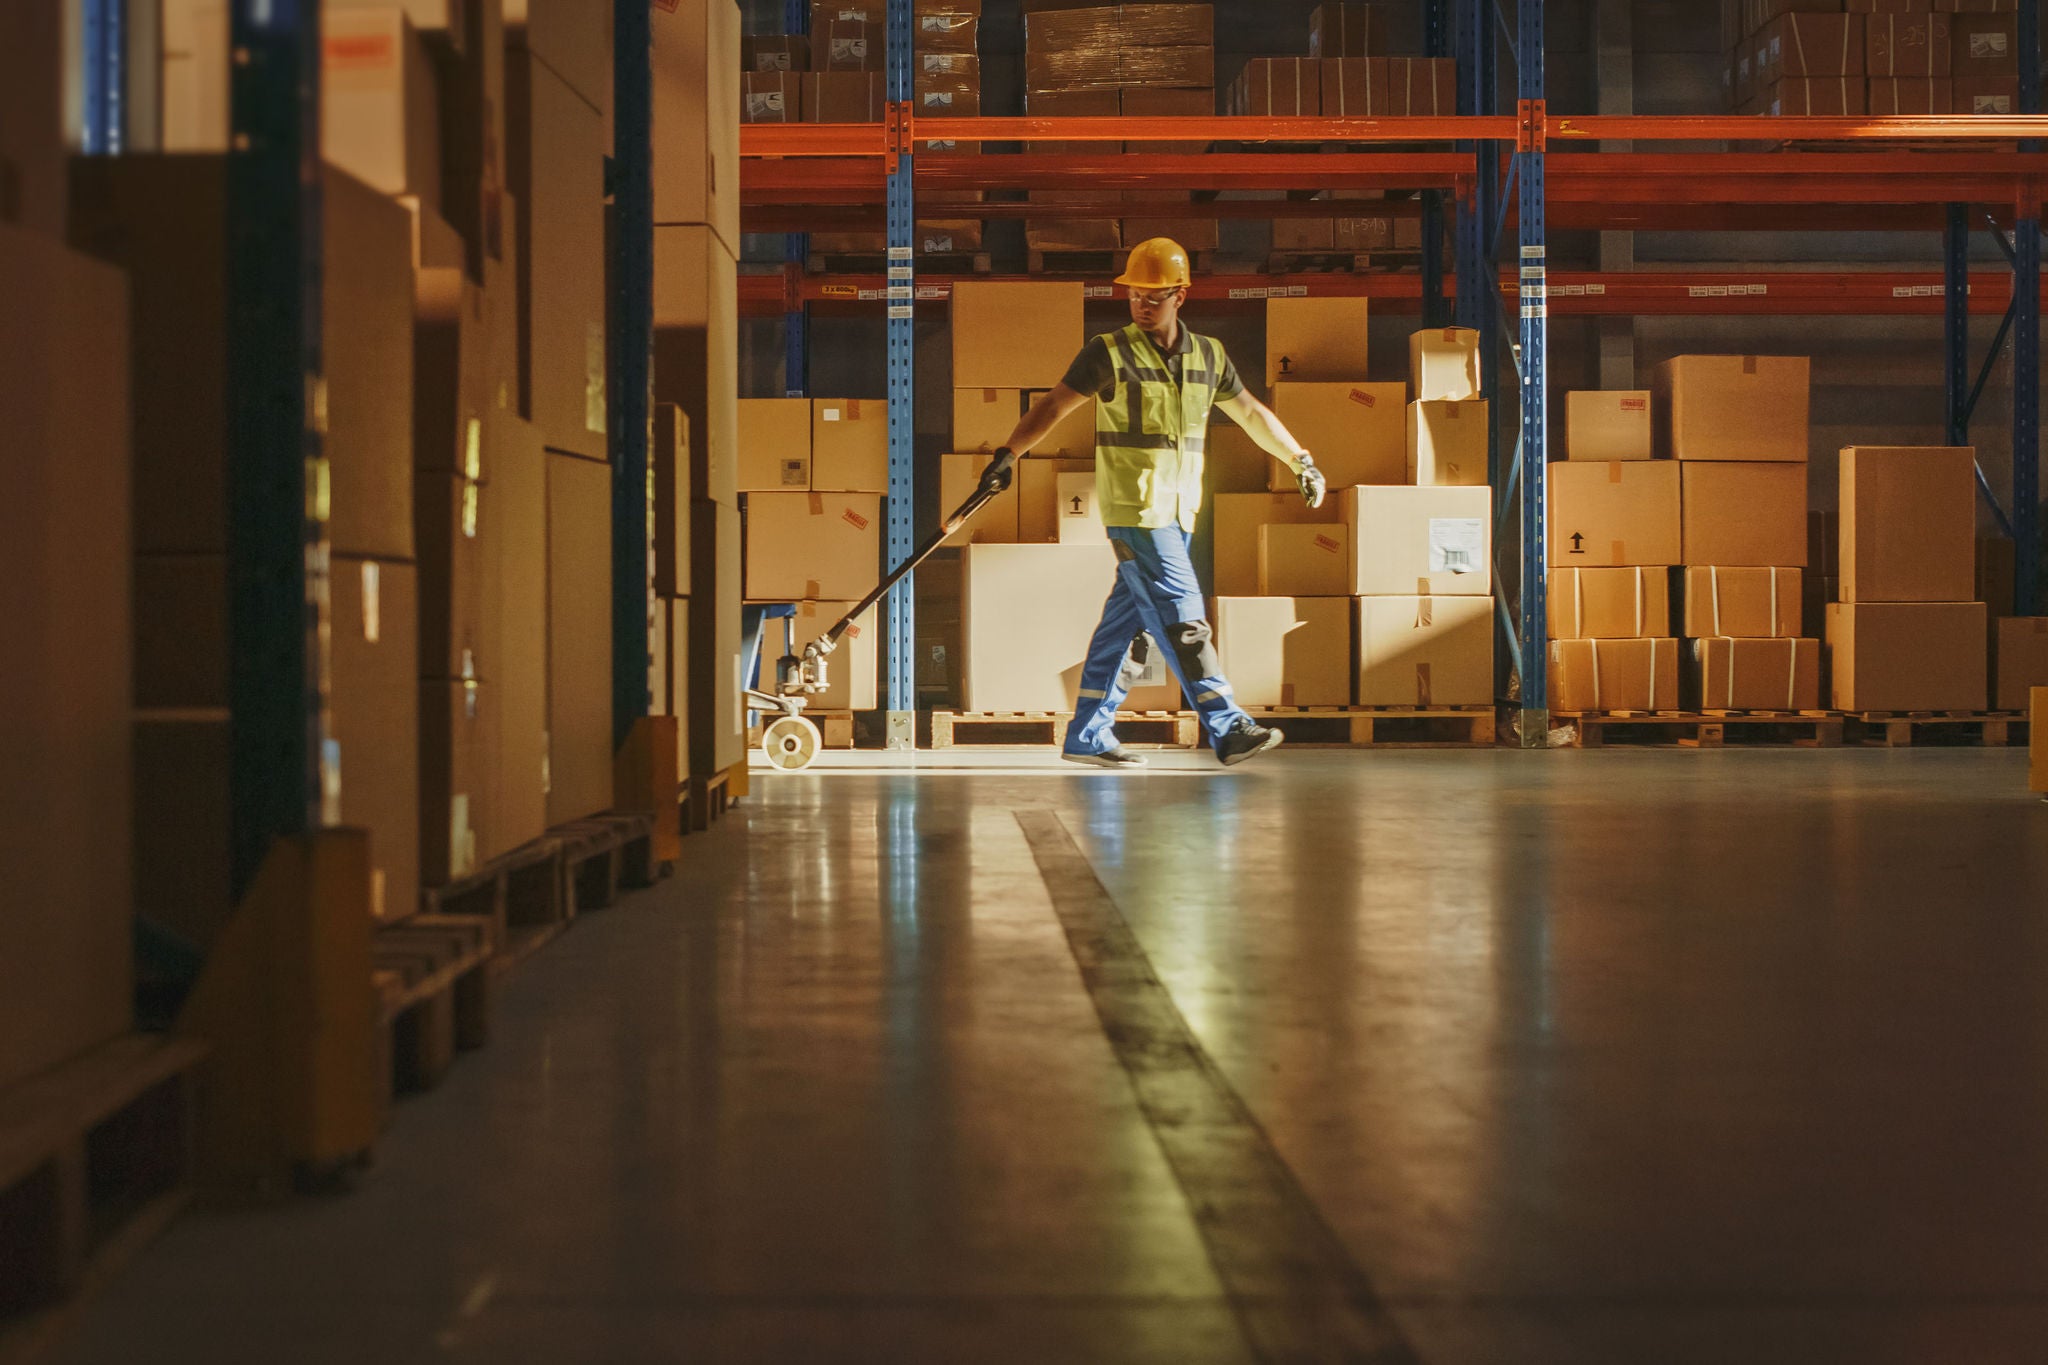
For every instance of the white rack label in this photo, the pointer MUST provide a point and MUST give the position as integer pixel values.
(902, 272)
(902, 310)
(900, 253)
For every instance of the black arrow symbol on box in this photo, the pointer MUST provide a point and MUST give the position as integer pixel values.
(1578, 542)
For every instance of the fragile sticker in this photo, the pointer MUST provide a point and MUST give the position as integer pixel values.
(1635, 405)
(1361, 396)
(854, 519)
(1326, 543)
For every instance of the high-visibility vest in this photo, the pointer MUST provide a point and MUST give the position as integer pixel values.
(1150, 434)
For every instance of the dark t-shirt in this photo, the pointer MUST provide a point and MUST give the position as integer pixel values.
(1094, 372)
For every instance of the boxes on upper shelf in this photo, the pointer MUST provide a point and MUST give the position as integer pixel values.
(1303, 561)
(2021, 659)
(1807, 44)
(1609, 604)
(1435, 542)
(1422, 86)
(1727, 407)
(1278, 87)
(700, 97)
(1743, 513)
(1285, 651)
(1447, 443)
(1908, 656)
(945, 25)
(1984, 46)
(850, 445)
(1614, 675)
(1345, 30)
(1909, 523)
(774, 445)
(1906, 45)
(1358, 433)
(772, 52)
(1443, 362)
(1354, 87)
(1015, 334)
(1618, 513)
(1608, 425)
(1318, 340)
(1425, 651)
(805, 547)
(1745, 602)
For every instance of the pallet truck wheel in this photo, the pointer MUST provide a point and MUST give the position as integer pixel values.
(791, 743)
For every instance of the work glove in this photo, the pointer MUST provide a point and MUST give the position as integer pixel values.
(1313, 484)
(996, 478)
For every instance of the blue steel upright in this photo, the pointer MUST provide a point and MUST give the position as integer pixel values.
(1535, 254)
(796, 250)
(2026, 342)
(631, 357)
(1955, 323)
(1436, 42)
(900, 636)
(106, 76)
(280, 763)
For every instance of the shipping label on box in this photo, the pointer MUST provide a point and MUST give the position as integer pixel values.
(1757, 675)
(1425, 651)
(1614, 675)
(1744, 513)
(1303, 561)
(1727, 407)
(1434, 542)
(775, 445)
(1285, 651)
(1357, 433)
(1080, 514)
(1447, 442)
(772, 97)
(1743, 602)
(1319, 340)
(1609, 604)
(1443, 362)
(1238, 517)
(1908, 656)
(804, 547)
(1909, 523)
(1984, 46)
(996, 522)
(1608, 425)
(850, 445)
(1619, 513)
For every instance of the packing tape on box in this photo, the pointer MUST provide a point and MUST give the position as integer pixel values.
(817, 505)
(1714, 581)
(1287, 694)
(1639, 600)
(811, 593)
(1425, 612)
(1791, 673)
(1618, 549)
(1774, 602)
(1593, 649)
(1749, 364)
(1422, 685)
(1614, 471)
(853, 409)
(1653, 673)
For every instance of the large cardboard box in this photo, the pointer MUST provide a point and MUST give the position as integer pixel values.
(1431, 542)
(579, 638)
(66, 692)
(2022, 660)
(1425, 651)
(1907, 45)
(1073, 436)
(574, 37)
(771, 97)
(945, 25)
(674, 614)
(1319, 340)
(850, 445)
(558, 145)
(34, 101)
(1038, 496)
(697, 116)
(804, 547)
(182, 868)
(1422, 85)
(1746, 513)
(192, 81)
(1609, 604)
(775, 450)
(984, 418)
(775, 52)
(1909, 523)
(1355, 87)
(844, 97)
(366, 324)
(1756, 675)
(1614, 675)
(516, 578)
(1443, 362)
(1743, 602)
(1984, 46)
(451, 537)
(1303, 561)
(1618, 513)
(1911, 95)
(669, 455)
(718, 720)
(1285, 651)
(1014, 334)
(1233, 461)
(1908, 656)
(1810, 44)
(1238, 517)
(1732, 407)
(852, 667)
(1028, 613)
(456, 786)
(374, 723)
(1837, 95)
(1607, 426)
(1447, 442)
(994, 524)
(379, 102)
(1080, 510)
(1358, 433)
(696, 349)
(1278, 87)
(1346, 30)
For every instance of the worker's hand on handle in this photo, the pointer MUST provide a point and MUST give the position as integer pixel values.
(1313, 485)
(996, 478)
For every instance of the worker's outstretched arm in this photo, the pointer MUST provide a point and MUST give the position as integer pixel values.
(1053, 407)
(1273, 437)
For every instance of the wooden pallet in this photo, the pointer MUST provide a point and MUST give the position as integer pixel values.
(1036, 729)
(95, 1161)
(1382, 727)
(876, 263)
(1703, 729)
(433, 979)
(710, 797)
(1318, 262)
(532, 893)
(1903, 729)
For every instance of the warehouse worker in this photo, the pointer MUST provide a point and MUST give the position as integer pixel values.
(1154, 383)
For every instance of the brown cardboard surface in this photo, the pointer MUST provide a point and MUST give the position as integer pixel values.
(574, 37)
(1080, 514)
(718, 737)
(1303, 561)
(1745, 602)
(771, 97)
(1278, 87)
(1028, 612)
(1756, 675)
(1447, 442)
(455, 778)
(843, 44)
(1614, 675)
(451, 536)
(1908, 656)
(1015, 334)
(995, 524)
(1317, 340)
(697, 111)
(1614, 514)
(774, 445)
(1907, 45)
(696, 350)
(843, 97)
(1285, 651)
(375, 724)
(1984, 46)
(1425, 651)
(192, 81)
(946, 25)
(1422, 85)
(1610, 604)
(1435, 542)
(1909, 523)
(851, 670)
(66, 696)
(1193, 233)
(1837, 95)
(1607, 426)
(675, 613)
(1811, 44)
(775, 52)
(1355, 87)
(181, 631)
(670, 457)
(1038, 496)
(367, 350)
(1358, 433)
(850, 445)
(579, 638)
(1346, 30)
(516, 590)
(812, 546)
(181, 878)
(379, 110)
(1744, 513)
(1073, 437)
(1729, 407)
(984, 418)
(1976, 95)
(1141, 102)
(2021, 660)
(33, 95)
(1911, 95)
(1238, 517)
(1443, 363)
(1233, 461)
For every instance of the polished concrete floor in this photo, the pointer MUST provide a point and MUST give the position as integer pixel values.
(1457, 1058)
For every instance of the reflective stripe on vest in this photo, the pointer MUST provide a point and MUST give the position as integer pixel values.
(1151, 475)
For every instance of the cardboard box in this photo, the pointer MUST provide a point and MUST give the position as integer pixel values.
(1838, 96)
(1194, 234)
(1358, 433)
(1756, 675)
(1975, 96)
(1080, 514)
(34, 103)
(2037, 764)
(192, 80)
(767, 53)
(696, 350)
(455, 778)
(516, 589)
(1278, 87)
(1233, 461)
(1614, 675)
(1355, 87)
(1435, 542)
(1015, 334)
(775, 451)
(844, 97)
(1607, 426)
(1609, 604)
(1038, 496)
(772, 97)
(674, 614)
(1422, 85)
(1727, 407)
(945, 25)
(451, 538)
(379, 106)
(1316, 340)
(1984, 46)
(1028, 613)
(1624, 512)
(949, 237)
(669, 463)
(850, 445)
(1345, 30)
(1443, 363)
(1285, 651)
(847, 44)
(1909, 523)
(1447, 442)
(1072, 437)
(182, 866)
(574, 37)
(813, 547)
(1304, 234)
(1238, 517)
(1425, 651)
(559, 145)
(374, 722)
(1907, 45)
(984, 418)
(697, 113)
(1912, 95)
(1744, 514)
(1303, 561)
(2021, 660)
(1744, 602)
(367, 350)
(1141, 102)
(1908, 656)
(718, 722)
(994, 524)
(1811, 45)
(852, 668)
(579, 638)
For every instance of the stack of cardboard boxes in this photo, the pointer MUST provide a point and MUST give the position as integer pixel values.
(1863, 56)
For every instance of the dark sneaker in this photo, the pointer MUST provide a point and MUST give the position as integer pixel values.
(1247, 739)
(1118, 759)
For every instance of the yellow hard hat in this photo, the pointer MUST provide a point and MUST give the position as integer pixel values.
(1159, 263)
